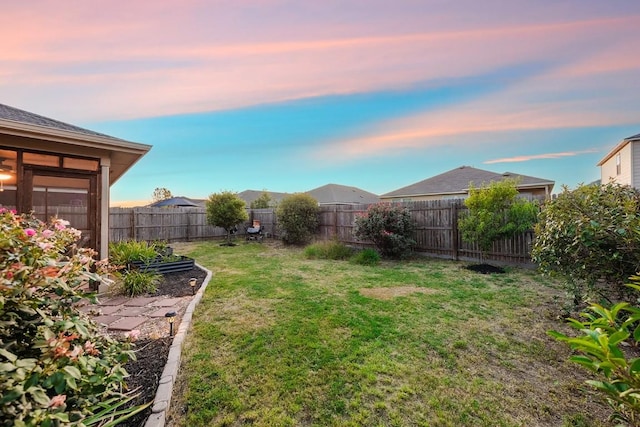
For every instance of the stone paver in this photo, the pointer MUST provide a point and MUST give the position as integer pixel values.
(106, 320)
(115, 301)
(127, 323)
(133, 311)
(107, 309)
(166, 302)
(140, 301)
(160, 312)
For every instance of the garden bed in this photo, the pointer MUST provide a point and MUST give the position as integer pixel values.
(162, 266)
(151, 354)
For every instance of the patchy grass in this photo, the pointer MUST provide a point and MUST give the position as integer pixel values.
(282, 340)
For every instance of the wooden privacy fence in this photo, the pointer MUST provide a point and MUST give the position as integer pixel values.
(436, 228)
(174, 224)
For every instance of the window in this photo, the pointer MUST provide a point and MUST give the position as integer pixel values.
(618, 164)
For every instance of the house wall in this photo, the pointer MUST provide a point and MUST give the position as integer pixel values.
(635, 164)
(95, 215)
(530, 193)
(608, 170)
(424, 198)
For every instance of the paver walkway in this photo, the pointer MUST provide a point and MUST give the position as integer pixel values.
(126, 314)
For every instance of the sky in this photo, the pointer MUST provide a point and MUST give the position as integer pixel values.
(288, 96)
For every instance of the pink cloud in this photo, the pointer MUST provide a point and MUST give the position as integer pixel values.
(527, 158)
(171, 62)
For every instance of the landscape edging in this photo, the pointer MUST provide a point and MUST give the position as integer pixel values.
(165, 388)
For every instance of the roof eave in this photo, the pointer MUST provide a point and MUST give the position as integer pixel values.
(617, 148)
(389, 196)
(129, 152)
(70, 137)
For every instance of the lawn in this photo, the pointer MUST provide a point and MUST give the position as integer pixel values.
(281, 340)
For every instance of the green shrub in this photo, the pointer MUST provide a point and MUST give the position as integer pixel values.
(262, 202)
(389, 227)
(495, 212)
(328, 250)
(366, 257)
(57, 368)
(125, 252)
(135, 282)
(591, 237)
(226, 210)
(297, 217)
(607, 347)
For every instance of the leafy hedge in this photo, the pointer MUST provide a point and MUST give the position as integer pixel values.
(56, 366)
(591, 237)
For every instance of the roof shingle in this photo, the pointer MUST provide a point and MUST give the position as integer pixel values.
(457, 181)
(15, 114)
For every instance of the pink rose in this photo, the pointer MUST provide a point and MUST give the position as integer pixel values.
(30, 232)
(57, 400)
(132, 335)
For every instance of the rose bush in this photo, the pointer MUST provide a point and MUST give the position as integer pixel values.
(56, 366)
(389, 227)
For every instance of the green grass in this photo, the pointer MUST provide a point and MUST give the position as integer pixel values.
(279, 339)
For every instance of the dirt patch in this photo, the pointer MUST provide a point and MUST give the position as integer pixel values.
(486, 269)
(390, 293)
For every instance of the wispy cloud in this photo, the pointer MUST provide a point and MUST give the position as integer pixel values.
(527, 158)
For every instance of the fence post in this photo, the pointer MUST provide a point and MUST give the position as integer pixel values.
(188, 225)
(133, 225)
(454, 230)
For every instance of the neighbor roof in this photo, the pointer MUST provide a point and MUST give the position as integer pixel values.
(619, 147)
(250, 195)
(177, 202)
(42, 131)
(456, 181)
(342, 194)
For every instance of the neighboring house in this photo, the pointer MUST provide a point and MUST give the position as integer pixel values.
(177, 202)
(57, 169)
(455, 184)
(250, 195)
(622, 164)
(334, 194)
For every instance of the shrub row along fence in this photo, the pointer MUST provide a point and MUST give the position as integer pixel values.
(436, 228)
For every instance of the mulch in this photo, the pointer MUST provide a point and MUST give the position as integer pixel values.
(151, 354)
(485, 269)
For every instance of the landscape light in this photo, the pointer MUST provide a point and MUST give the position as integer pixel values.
(192, 283)
(170, 315)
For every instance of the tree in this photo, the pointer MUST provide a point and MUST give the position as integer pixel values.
(262, 202)
(389, 227)
(298, 218)
(591, 237)
(226, 210)
(495, 212)
(161, 193)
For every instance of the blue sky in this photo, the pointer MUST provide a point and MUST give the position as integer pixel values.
(282, 96)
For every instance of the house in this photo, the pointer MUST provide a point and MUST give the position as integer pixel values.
(178, 202)
(57, 169)
(622, 164)
(334, 194)
(251, 195)
(455, 184)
